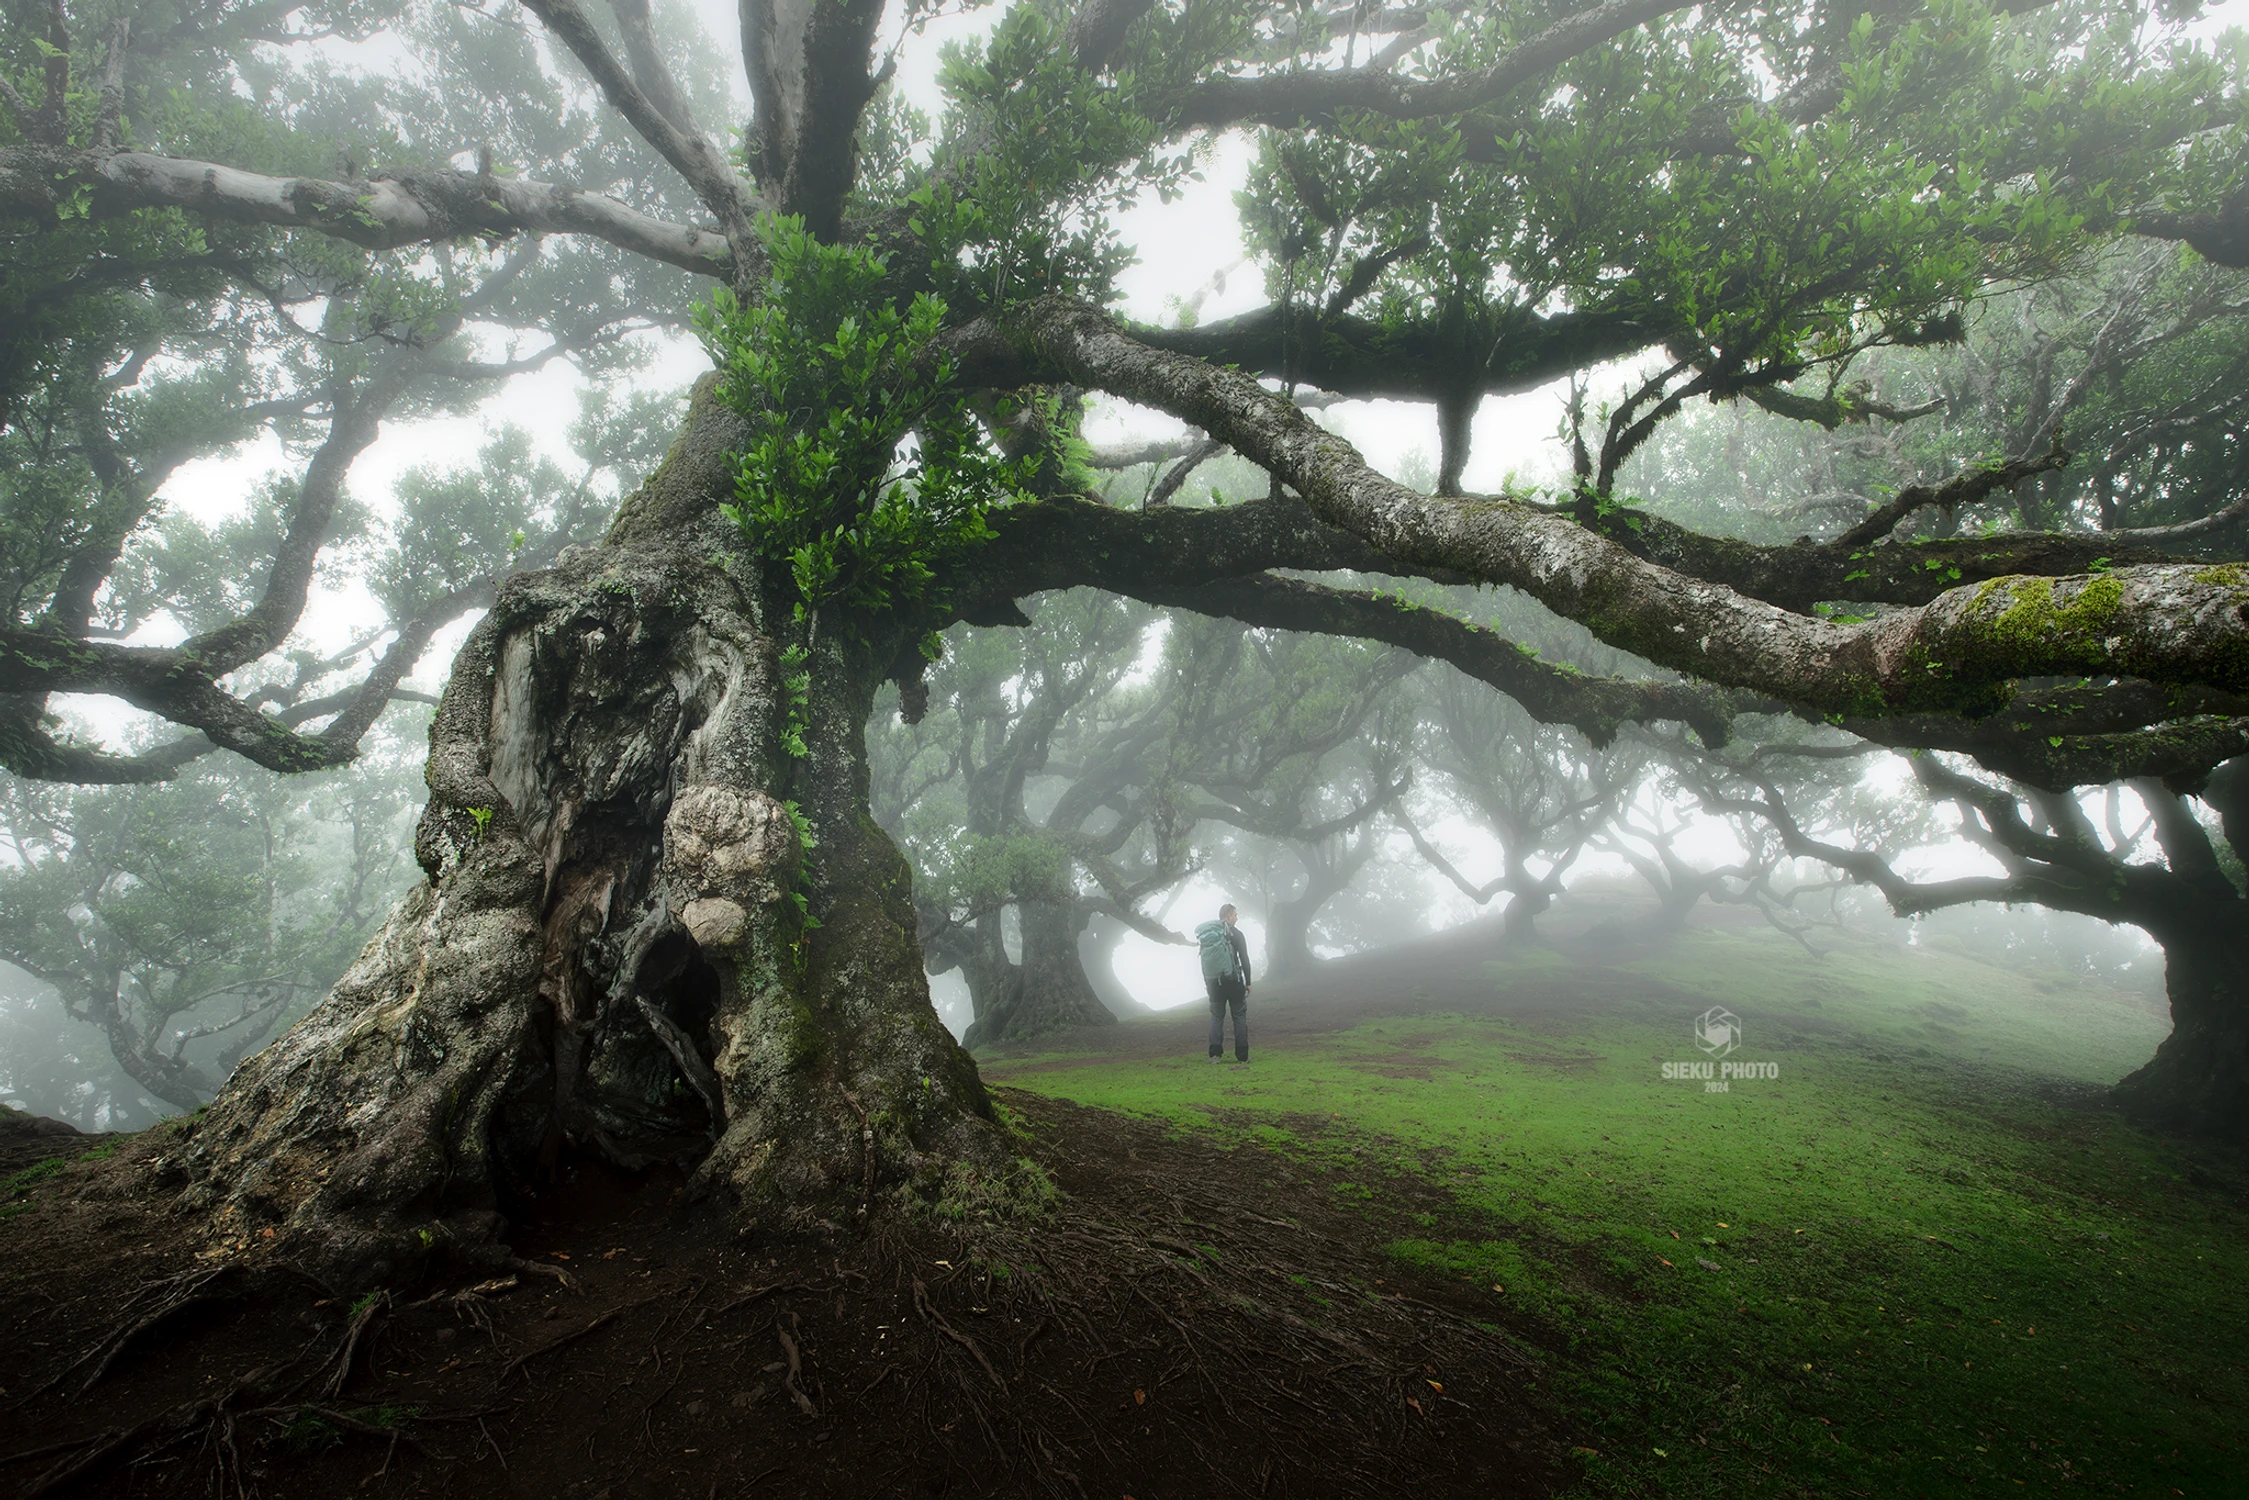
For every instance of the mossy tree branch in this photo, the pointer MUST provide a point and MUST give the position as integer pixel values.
(2172, 624)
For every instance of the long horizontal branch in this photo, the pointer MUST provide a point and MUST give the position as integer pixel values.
(181, 687)
(2062, 874)
(34, 754)
(1832, 411)
(1869, 867)
(1364, 358)
(1067, 542)
(1480, 894)
(404, 207)
(2220, 237)
(2171, 624)
(1596, 706)
(1287, 99)
(2056, 738)
(1803, 575)
(1143, 451)
(2185, 533)
(165, 681)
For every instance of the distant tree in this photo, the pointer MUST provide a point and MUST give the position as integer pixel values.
(997, 707)
(51, 1066)
(2136, 361)
(1542, 795)
(1645, 834)
(1073, 772)
(183, 921)
(137, 339)
(1294, 773)
(2173, 867)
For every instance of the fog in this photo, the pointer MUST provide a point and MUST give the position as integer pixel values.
(1445, 851)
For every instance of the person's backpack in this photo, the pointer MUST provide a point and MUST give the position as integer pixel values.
(1218, 950)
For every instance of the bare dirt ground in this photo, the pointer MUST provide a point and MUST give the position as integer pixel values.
(1189, 1322)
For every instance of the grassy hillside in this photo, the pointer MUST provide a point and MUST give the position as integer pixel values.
(1925, 1259)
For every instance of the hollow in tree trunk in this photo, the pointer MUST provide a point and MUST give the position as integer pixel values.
(627, 945)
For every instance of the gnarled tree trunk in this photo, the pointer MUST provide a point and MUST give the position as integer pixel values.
(1329, 869)
(1047, 991)
(2198, 1080)
(623, 947)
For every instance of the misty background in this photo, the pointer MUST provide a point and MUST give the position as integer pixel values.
(1081, 793)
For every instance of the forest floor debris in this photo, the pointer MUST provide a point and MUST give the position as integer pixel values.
(1180, 1327)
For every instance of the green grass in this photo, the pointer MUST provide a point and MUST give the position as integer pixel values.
(38, 1172)
(15, 1188)
(1922, 1261)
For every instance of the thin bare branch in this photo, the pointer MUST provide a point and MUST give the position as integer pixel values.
(689, 151)
(405, 207)
(1295, 98)
(1964, 488)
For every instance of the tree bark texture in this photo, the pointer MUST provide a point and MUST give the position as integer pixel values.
(1047, 991)
(2198, 1081)
(607, 956)
(1328, 872)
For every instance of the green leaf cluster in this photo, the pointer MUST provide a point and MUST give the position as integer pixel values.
(862, 473)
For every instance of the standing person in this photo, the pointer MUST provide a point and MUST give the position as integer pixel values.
(1226, 976)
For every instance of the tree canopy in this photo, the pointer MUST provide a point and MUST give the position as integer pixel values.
(1447, 202)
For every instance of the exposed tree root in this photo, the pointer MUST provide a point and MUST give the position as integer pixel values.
(599, 1321)
(1241, 1335)
(363, 1316)
(150, 1308)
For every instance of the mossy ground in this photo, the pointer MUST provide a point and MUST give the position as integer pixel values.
(1926, 1259)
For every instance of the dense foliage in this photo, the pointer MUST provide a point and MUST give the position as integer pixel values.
(830, 379)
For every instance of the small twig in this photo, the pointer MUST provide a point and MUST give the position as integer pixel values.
(363, 1316)
(282, 1416)
(60, 1475)
(550, 1346)
(53, 1448)
(180, 1293)
(922, 1306)
(755, 1293)
(496, 1453)
(796, 1367)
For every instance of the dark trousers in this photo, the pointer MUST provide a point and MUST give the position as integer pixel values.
(1226, 992)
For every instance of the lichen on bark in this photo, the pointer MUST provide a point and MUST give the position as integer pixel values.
(603, 958)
